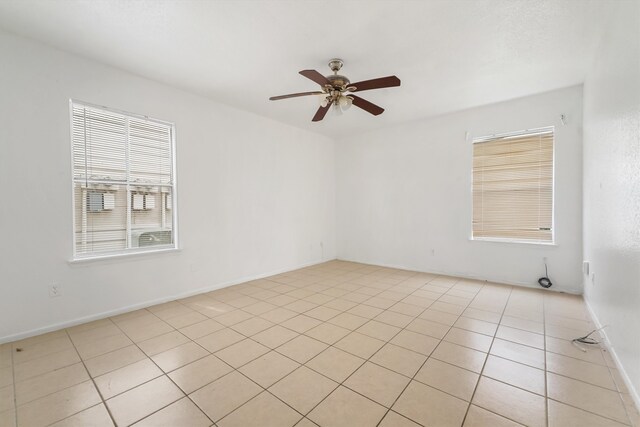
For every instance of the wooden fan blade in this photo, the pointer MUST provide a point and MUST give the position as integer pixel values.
(322, 111)
(366, 105)
(293, 95)
(316, 77)
(380, 83)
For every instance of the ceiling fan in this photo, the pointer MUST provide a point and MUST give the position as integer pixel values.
(337, 90)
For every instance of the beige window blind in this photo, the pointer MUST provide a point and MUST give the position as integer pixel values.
(122, 164)
(513, 187)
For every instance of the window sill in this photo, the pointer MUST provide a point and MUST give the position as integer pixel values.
(122, 255)
(513, 241)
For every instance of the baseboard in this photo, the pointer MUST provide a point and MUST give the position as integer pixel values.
(573, 291)
(611, 349)
(115, 312)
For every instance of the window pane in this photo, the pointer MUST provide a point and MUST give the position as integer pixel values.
(99, 145)
(513, 187)
(123, 181)
(99, 226)
(150, 152)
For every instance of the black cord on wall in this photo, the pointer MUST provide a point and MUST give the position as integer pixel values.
(545, 282)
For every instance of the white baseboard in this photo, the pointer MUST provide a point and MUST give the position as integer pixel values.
(115, 312)
(574, 291)
(611, 349)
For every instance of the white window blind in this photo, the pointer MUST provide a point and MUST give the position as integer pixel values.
(122, 164)
(513, 187)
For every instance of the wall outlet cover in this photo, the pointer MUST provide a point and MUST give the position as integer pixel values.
(55, 290)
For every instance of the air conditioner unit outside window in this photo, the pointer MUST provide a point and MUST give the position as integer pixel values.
(98, 201)
(150, 237)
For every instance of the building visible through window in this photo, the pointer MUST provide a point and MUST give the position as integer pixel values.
(513, 187)
(123, 182)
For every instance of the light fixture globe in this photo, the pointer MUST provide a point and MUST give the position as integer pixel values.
(345, 102)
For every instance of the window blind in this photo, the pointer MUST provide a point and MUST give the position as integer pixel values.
(123, 182)
(513, 186)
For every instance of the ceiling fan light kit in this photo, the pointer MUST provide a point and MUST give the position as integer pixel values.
(338, 91)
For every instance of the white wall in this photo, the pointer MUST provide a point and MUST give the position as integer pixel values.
(612, 187)
(404, 197)
(255, 196)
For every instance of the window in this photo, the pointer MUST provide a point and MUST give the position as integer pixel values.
(513, 187)
(123, 182)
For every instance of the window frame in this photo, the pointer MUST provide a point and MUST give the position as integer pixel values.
(490, 137)
(127, 252)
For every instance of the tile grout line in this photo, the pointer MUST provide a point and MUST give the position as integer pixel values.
(92, 381)
(442, 339)
(359, 366)
(164, 374)
(487, 357)
(304, 364)
(355, 370)
(546, 376)
(401, 330)
(62, 389)
(422, 364)
(479, 374)
(234, 369)
(145, 382)
(304, 416)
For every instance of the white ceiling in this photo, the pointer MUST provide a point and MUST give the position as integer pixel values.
(450, 55)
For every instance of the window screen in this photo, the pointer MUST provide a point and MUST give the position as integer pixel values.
(513, 186)
(123, 182)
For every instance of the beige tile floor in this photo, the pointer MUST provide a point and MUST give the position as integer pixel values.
(337, 344)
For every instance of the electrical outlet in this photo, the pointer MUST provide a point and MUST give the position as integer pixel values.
(55, 290)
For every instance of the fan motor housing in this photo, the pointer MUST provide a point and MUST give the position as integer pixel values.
(338, 81)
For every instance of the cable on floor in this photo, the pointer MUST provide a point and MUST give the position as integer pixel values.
(586, 340)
